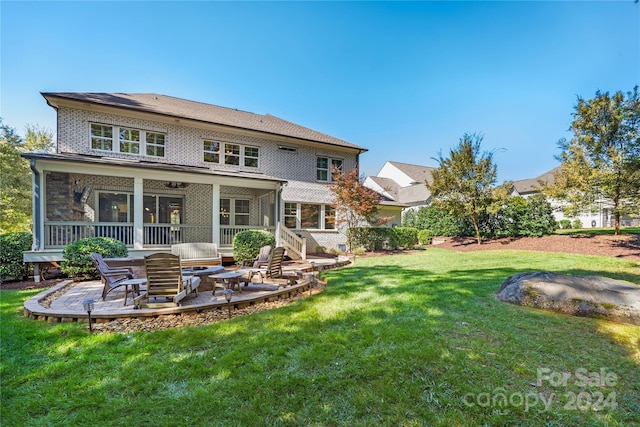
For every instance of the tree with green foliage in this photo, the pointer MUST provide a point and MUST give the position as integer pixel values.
(464, 183)
(602, 160)
(15, 180)
(356, 204)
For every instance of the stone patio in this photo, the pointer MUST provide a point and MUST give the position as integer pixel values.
(64, 302)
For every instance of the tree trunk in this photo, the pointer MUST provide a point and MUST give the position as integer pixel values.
(474, 218)
(616, 203)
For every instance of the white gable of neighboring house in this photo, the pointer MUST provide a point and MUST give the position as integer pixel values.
(392, 171)
(405, 183)
(384, 186)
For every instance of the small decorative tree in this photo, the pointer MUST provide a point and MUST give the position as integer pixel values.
(355, 203)
(464, 184)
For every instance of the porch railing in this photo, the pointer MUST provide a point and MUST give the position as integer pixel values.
(170, 234)
(227, 232)
(59, 234)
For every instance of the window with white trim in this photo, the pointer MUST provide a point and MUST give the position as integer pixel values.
(129, 141)
(251, 155)
(126, 140)
(232, 154)
(155, 144)
(326, 167)
(309, 216)
(235, 212)
(101, 137)
(227, 153)
(291, 215)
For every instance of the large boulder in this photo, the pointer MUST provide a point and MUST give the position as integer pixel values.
(581, 296)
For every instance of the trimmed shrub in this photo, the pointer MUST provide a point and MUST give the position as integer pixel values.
(576, 223)
(247, 244)
(439, 222)
(77, 255)
(11, 247)
(378, 238)
(425, 237)
(403, 237)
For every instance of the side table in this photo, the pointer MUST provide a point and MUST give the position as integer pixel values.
(135, 287)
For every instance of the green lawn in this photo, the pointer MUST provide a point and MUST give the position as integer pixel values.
(406, 340)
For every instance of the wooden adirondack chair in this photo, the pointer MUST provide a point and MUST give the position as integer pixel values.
(112, 277)
(165, 281)
(261, 260)
(273, 270)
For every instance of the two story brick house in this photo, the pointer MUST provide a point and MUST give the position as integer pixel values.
(154, 170)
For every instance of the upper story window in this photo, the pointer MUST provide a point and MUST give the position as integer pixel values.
(325, 167)
(101, 137)
(127, 140)
(155, 144)
(230, 154)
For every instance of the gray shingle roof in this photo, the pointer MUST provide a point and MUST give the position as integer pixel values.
(182, 108)
(532, 185)
(389, 185)
(418, 173)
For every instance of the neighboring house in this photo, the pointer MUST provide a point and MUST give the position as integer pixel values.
(404, 183)
(402, 186)
(601, 216)
(153, 170)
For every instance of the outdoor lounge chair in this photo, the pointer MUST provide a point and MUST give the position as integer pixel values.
(261, 260)
(165, 282)
(112, 277)
(273, 269)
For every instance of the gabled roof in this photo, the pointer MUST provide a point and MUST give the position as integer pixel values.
(386, 187)
(418, 173)
(207, 113)
(532, 185)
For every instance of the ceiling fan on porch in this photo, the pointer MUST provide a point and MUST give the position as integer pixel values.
(176, 185)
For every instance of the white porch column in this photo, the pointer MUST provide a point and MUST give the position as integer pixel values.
(215, 217)
(138, 218)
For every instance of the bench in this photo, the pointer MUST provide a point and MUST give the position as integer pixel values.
(197, 254)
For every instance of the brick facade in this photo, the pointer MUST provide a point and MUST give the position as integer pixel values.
(279, 157)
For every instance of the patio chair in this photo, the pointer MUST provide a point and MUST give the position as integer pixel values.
(260, 260)
(165, 281)
(273, 269)
(111, 277)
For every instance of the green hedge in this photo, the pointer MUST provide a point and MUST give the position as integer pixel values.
(247, 244)
(520, 216)
(11, 247)
(379, 238)
(77, 255)
(425, 237)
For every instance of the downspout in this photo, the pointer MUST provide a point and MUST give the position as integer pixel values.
(278, 211)
(37, 215)
(36, 198)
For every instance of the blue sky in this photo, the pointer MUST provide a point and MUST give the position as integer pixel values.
(404, 79)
